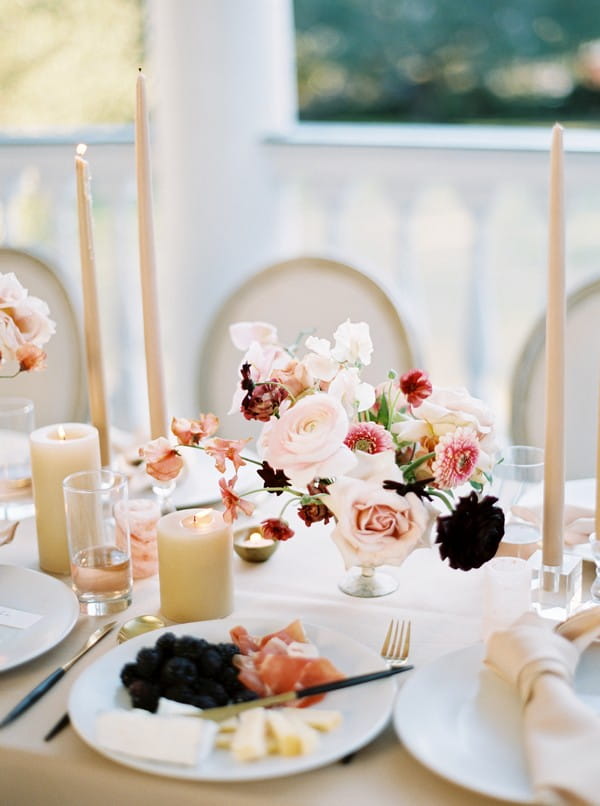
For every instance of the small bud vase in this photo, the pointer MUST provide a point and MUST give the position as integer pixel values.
(367, 582)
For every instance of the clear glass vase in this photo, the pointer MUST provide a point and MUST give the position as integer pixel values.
(367, 582)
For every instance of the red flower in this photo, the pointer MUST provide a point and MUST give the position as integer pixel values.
(232, 500)
(276, 529)
(416, 386)
(263, 401)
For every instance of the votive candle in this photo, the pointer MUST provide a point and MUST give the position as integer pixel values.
(56, 452)
(195, 568)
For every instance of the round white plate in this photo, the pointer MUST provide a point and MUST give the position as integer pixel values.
(34, 592)
(365, 709)
(464, 723)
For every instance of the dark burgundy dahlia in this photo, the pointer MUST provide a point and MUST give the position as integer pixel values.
(470, 535)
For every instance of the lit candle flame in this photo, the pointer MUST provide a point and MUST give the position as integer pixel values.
(81, 149)
(62, 434)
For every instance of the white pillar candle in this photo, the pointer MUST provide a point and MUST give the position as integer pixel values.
(554, 450)
(56, 452)
(159, 421)
(195, 565)
(91, 316)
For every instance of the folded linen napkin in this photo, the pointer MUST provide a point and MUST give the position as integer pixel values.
(578, 522)
(561, 732)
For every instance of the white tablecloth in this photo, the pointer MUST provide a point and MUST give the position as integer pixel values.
(300, 580)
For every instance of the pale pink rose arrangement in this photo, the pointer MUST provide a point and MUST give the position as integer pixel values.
(371, 459)
(25, 327)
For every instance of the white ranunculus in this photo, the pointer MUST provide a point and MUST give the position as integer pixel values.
(353, 343)
(376, 467)
(32, 317)
(242, 334)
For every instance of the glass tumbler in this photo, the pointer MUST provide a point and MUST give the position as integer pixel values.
(518, 480)
(16, 423)
(99, 548)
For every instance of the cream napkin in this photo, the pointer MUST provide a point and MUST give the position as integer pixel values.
(578, 522)
(561, 733)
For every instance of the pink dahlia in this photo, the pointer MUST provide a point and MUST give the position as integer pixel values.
(416, 386)
(368, 437)
(456, 457)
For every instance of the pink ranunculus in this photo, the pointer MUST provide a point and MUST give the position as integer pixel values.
(456, 456)
(12, 293)
(307, 441)
(31, 358)
(375, 526)
(242, 334)
(163, 462)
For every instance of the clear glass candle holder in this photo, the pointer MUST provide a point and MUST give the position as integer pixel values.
(16, 423)
(518, 479)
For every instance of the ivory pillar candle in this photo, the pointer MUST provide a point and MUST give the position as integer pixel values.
(56, 452)
(91, 317)
(195, 549)
(159, 421)
(554, 450)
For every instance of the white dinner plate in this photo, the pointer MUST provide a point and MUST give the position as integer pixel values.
(365, 709)
(38, 594)
(464, 723)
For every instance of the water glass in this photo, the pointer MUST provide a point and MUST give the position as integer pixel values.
(16, 423)
(518, 480)
(506, 592)
(99, 548)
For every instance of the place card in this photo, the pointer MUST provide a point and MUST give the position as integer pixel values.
(19, 619)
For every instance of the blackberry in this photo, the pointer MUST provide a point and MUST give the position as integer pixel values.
(210, 663)
(227, 651)
(186, 646)
(210, 688)
(129, 673)
(166, 644)
(144, 694)
(178, 671)
(179, 693)
(148, 663)
(203, 701)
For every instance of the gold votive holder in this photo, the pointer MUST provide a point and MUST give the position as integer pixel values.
(250, 544)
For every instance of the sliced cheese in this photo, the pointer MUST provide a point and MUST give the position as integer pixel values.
(173, 740)
(322, 720)
(249, 741)
(308, 738)
(171, 708)
(284, 733)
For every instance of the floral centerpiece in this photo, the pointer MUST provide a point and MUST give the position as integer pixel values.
(25, 326)
(373, 460)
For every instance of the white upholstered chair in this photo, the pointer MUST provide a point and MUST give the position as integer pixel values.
(59, 391)
(302, 294)
(582, 350)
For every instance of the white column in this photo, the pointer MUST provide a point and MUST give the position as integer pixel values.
(220, 77)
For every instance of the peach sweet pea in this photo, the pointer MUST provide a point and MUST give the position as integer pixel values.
(375, 526)
(307, 441)
(163, 462)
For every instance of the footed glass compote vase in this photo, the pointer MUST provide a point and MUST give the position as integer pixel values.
(367, 582)
(163, 490)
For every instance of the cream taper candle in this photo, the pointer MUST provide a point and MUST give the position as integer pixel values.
(56, 452)
(159, 421)
(195, 568)
(91, 316)
(554, 450)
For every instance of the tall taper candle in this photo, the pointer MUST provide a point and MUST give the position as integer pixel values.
(598, 471)
(554, 444)
(159, 423)
(91, 317)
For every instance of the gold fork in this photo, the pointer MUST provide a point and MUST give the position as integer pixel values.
(396, 644)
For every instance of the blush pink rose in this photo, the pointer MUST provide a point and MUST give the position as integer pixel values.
(307, 441)
(375, 526)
